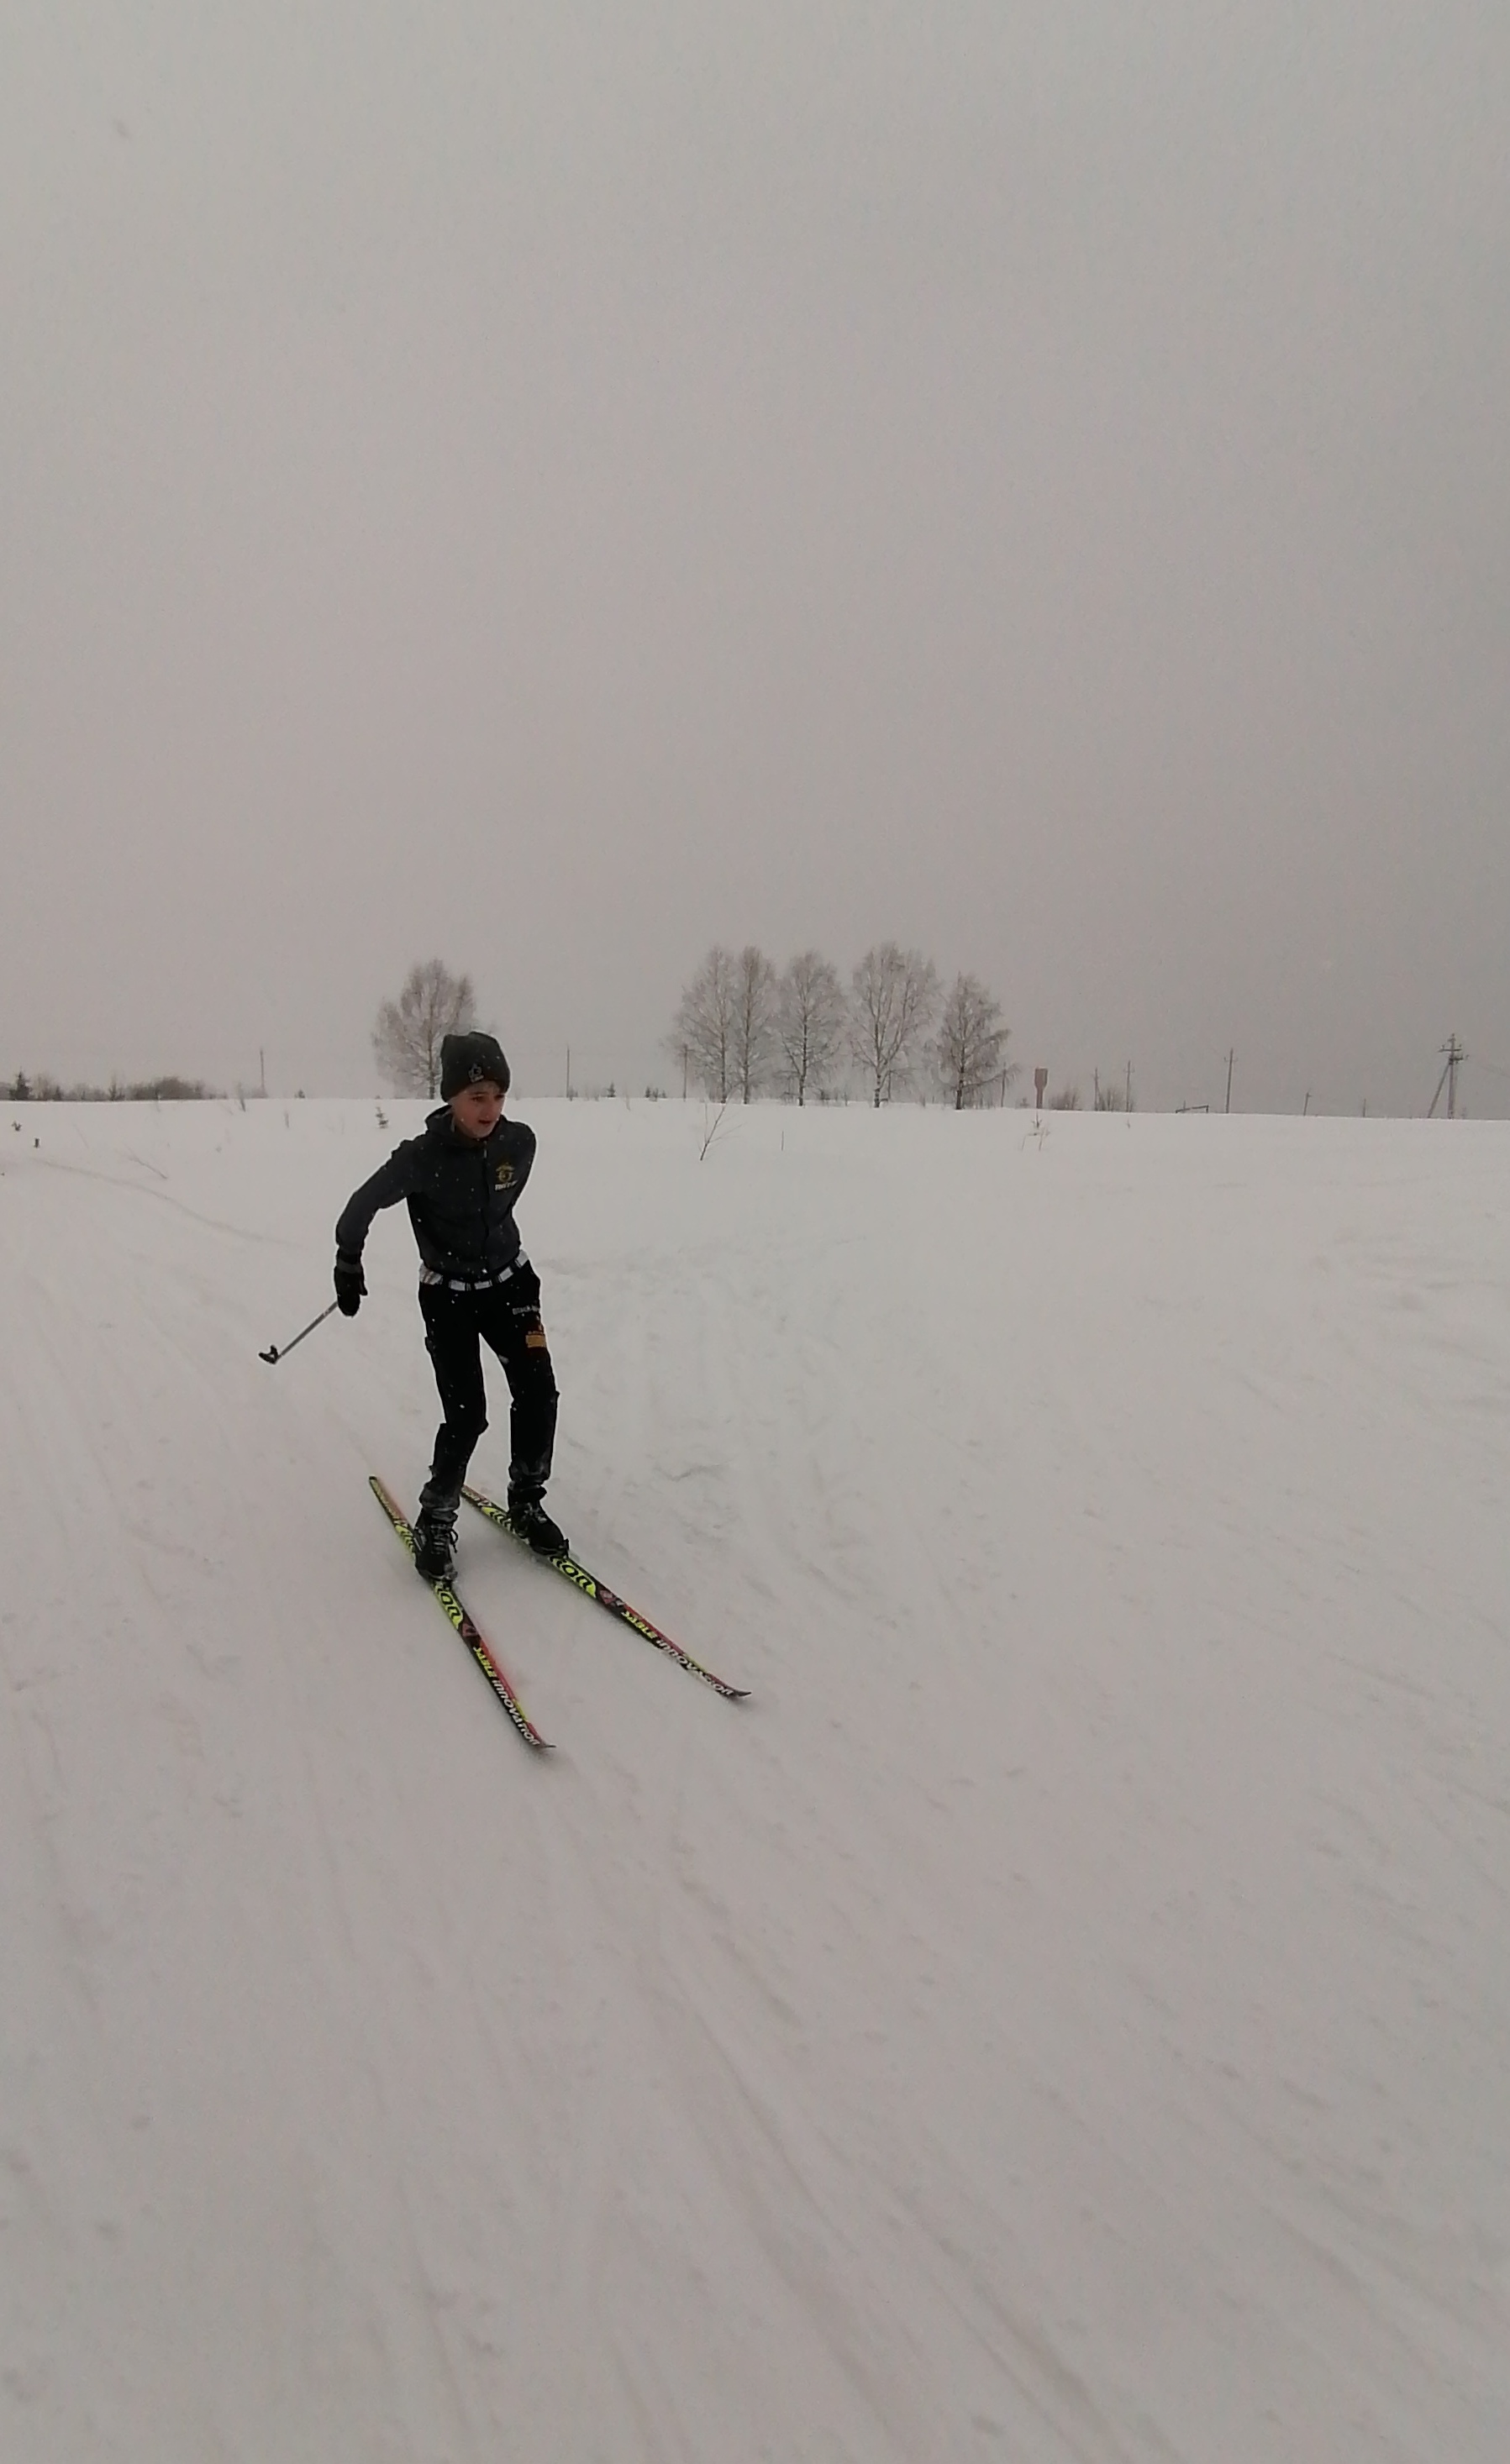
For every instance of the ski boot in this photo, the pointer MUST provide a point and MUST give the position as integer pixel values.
(436, 1543)
(531, 1524)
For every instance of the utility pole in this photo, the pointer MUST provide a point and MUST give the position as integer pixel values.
(1127, 1096)
(261, 1069)
(1455, 1056)
(683, 1073)
(1231, 1057)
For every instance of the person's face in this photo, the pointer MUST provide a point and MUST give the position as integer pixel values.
(476, 1108)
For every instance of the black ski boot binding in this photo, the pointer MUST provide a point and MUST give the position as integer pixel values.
(534, 1527)
(436, 1543)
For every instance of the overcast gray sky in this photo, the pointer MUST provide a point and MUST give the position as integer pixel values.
(555, 485)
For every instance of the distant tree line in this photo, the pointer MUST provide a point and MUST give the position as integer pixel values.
(43, 1090)
(1109, 1095)
(743, 1029)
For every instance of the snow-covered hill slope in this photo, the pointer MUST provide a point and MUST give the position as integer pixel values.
(1064, 2015)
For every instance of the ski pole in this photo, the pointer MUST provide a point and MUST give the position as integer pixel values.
(275, 1351)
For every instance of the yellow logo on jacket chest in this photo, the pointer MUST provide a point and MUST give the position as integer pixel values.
(503, 1177)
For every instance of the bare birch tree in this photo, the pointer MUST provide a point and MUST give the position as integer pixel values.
(894, 993)
(810, 1021)
(754, 1021)
(703, 1035)
(407, 1038)
(971, 1048)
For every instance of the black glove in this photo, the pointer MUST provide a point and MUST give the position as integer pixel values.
(350, 1283)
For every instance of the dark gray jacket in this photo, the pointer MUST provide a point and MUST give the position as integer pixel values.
(461, 1191)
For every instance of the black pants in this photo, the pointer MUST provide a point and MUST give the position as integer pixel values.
(507, 1319)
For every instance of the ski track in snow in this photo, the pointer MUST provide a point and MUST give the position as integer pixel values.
(1063, 2017)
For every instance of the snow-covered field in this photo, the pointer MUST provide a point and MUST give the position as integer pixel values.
(1064, 2015)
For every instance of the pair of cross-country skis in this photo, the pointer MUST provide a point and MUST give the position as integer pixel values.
(481, 1651)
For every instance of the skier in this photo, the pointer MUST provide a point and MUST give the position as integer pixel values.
(462, 1177)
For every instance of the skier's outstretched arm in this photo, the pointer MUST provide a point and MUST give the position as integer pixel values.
(391, 1181)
